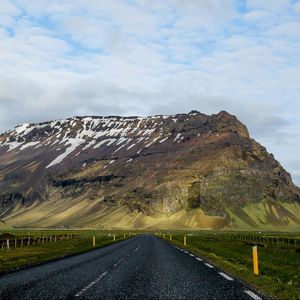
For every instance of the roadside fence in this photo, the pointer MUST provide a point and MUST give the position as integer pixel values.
(15, 242)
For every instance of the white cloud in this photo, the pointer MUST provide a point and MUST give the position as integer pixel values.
(287, 30)
(8, 11)
(263, 18)
(9, 8)
(273, 5)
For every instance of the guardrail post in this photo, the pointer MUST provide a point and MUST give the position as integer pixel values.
(255, 260)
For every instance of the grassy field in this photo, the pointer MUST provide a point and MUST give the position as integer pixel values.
(16, 258)
(279, 264)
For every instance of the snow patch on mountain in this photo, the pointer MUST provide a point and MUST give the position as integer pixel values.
(83, 133)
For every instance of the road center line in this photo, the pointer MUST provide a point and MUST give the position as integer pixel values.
(136, 249)
(121, 259)
(226, 276)
(191, 254)
(208, 265)
(198, 258)
(252, 295)
(91, 284)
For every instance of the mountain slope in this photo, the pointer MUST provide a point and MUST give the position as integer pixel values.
(183, 171)
(4, 226)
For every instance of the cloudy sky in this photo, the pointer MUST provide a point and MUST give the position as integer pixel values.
(60, 58)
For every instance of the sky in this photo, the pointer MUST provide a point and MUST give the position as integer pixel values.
(61, 58)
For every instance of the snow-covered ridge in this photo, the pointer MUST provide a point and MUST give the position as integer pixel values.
(88, 133)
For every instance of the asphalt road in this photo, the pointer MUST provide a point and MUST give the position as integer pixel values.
(144, 267)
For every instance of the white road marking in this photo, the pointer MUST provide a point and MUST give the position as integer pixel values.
(91, 284)
(252, 295)
(191, 254)
(136, 249)
(185, 252)
(198, 258)
(208, 265)
(118, 261)
(225, 276)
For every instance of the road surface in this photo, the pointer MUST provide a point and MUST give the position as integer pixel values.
(144, 267)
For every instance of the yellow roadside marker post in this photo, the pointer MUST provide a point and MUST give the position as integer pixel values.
(255, 260)
(114, 237)
(184, 240)
(94, 241)
(170, 237)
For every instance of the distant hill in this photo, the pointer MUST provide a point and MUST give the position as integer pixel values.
(3, 225)
(181, 171)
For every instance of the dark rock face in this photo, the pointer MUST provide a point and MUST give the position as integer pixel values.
(156, 167)
(83, 181)
(9, 198)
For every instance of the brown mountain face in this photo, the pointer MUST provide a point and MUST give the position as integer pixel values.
(182, 171)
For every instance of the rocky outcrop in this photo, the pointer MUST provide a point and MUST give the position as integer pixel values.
(181, 171)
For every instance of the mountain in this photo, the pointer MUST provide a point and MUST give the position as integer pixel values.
(4, 226)
(182, 171)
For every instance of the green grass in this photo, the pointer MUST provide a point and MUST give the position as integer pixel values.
(279, 266)
(20, 257)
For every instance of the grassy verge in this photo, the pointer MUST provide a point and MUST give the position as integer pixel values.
(20, 257)
(279, 266)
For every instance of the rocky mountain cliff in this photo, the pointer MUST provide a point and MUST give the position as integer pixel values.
(181, 171)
